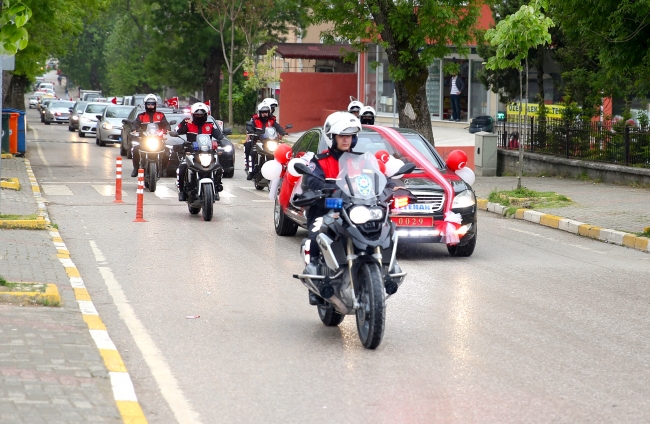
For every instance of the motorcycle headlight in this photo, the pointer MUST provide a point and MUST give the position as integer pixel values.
(464, 199)
(205, 159)
(362, 214)
(271, 146)
(151, 143)
(75, 118)
(107, 126)
(228, 148)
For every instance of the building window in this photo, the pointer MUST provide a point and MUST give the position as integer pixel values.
(433, 88)
(371, 78)
(479, 98)
(385, 86)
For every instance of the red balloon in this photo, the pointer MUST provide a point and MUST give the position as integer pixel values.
(456, 160)
(382, 156)
(382, 166)
(300, 154)
(291, 179)
(282, 154)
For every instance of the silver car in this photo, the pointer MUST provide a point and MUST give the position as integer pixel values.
(88, 119)
(109, 125)
(58, 111)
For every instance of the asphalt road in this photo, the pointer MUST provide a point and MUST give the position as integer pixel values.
(537, 326)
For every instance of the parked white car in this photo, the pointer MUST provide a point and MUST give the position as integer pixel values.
(88, 119)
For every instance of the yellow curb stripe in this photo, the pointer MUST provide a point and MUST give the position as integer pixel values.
(481, 203)
(131, 412)
(112, 360)
(94, 322)
(641, 243)
(519, 213)
(63, 255)
(57, 239)
(629, 240)
(64, 251)
(52, 294)
(81, 294)
(550, 220)
(72, 272)
(594, 232)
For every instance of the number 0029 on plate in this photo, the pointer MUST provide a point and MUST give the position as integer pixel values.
(413, 221)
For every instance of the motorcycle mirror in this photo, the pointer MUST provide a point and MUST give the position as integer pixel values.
(98, 116)
(227, 131)
(173, 133)
(303, 169)
(289, 126)
(173, 122)
(70, 109)
(406, 169)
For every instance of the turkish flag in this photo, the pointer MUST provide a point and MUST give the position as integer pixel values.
(173, 102)
(114, 101)
(207, 103)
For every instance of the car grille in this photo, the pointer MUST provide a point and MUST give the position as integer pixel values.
(436, 198)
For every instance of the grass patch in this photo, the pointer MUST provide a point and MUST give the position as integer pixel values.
(18, 217)
(528, 199)
(3, 282)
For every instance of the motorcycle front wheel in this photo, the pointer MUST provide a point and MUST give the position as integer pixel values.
(153, 172)
(208, 201)
(371, 315)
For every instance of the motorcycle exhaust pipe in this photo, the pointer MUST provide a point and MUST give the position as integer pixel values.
(327, 292)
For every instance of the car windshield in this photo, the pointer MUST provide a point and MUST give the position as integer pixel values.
(65, 105)
(373, 142)
(118, 112)
(95, 108)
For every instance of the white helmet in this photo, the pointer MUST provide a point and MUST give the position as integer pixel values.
(271, 102)
(355, 106)
(150, 98)
(263, 107)
(367, 115)
(198, 107)
(341, 123)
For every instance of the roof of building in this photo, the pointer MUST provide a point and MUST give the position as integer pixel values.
(307, 50)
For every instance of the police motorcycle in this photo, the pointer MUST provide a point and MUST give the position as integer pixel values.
(152, 153)
(203, 177)
(356, 270)
(262, 151)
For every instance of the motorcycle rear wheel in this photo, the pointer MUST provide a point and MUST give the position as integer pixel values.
(208, 201)
(329, 316)
(371, 315)
(152, 176)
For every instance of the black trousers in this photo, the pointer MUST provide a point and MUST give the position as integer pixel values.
(455, 106)
(136, 156)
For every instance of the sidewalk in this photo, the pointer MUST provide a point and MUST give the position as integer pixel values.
(615, 207)
(50, 368)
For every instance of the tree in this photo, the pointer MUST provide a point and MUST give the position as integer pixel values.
(261, 73)
(513, 37)
(13, 17)
(413, 33)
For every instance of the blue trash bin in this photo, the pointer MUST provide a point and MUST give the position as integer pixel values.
(22, 128)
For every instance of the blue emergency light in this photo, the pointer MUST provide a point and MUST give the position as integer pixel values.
(333, 203)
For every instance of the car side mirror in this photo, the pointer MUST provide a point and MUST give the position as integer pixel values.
(98, 116)
(173, 122)
(227, 131)
(288, 127)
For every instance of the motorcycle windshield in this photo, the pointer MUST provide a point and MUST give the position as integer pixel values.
(270, 133)
(359, 177)
(152, 129)
(204, 142)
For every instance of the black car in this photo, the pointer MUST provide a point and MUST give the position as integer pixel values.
(415, 222)
(481, 123)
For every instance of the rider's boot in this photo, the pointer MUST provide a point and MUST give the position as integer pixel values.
(134, 173)
(182, 196)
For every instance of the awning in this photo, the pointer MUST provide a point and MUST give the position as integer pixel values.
(307, 50)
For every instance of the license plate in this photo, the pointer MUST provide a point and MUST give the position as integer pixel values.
(417, 207)
(413, 221)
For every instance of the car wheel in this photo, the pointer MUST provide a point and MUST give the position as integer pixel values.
(129, 154)
(283, 225)
(70, 128)
(60, 123)
(463, 251)
(82, 134)
(100, 141)
(122, 151)
(46, 122)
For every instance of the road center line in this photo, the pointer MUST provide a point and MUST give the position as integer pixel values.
(154, 358)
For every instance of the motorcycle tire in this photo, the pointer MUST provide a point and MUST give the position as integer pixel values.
(123, 151)
(47, 122)
(229, 174)
(153, 172)
(329, 316)
(256, 181)
(283, 225)
(70, 128)
(192, 210)
(208, 201)
(371, 315)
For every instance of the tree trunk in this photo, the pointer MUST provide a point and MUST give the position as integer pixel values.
(520, 164)
(230, 108)
(539, 65)
(15, 94)
(95, 82)
(212, 84)
(412, 105)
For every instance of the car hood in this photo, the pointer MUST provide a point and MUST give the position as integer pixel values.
(116, 122)
(424, 183)
(59, 109)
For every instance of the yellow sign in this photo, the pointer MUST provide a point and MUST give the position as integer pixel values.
(552, 111)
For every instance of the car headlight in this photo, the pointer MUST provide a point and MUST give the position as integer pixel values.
(271, 146)
(205, 159)
(362, 214)
(464, 199)
(75, 118)
(151, 143)
(228, 148)
(107, 126)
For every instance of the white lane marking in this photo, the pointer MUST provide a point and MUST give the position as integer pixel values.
(122, 387)
(154, 358)
(87, 307)
(226, 194)
(99, 256)
(253, 190)
(77, 283)
(102, 339)
(555, 240)
(57, 190)
(163, 192)
(106, 190)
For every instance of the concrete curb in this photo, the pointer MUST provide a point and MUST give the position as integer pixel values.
(6, 156)
(123, 391)
(11, 184)
(51, 297)
(571, 226)
(24, 224)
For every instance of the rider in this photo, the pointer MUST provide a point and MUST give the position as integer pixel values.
(192, 127)
(354, 107)
(367, 115)
(149, 116)
(256, 126)
(273, 104)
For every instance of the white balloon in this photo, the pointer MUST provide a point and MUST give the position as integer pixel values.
(467, 175)
(392, 166)
(271, 170)
(291, 166)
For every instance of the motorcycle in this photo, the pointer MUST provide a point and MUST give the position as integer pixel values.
(202, 181)
(356, 270)
(152, 152)
(263, 151)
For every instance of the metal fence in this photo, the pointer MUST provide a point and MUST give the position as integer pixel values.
(611, 142)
